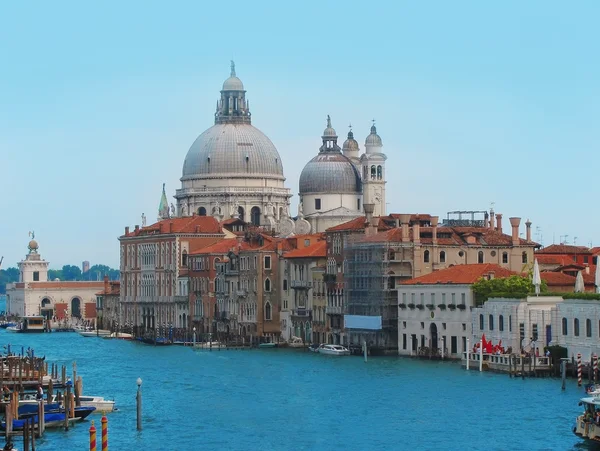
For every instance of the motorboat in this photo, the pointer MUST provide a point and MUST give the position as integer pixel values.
(81, 412)
(7, 324)
(210, 345)
(267, 345)
(333, 350)
(296, 342)
(51, 420)
(119, 336)
(98, 402)
(94, 333)
(16, 328)
(314, 347)
(587, 425)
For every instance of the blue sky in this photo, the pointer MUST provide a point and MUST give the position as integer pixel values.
(476, 102)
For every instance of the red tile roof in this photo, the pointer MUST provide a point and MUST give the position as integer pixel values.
(317, 250)
(359, 223)
(549, 259)
(220, 247)
(190, 225)
(553, 279)
(460, 274)
(564, 249)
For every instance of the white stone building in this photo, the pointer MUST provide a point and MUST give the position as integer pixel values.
(576, 326)
(332, 190)
(34, 294)
(434, 310)
(233, 169)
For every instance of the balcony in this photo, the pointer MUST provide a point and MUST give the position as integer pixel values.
(302, 312)
(181, 300)
(333, 310)
(241, 293)
(301, 284)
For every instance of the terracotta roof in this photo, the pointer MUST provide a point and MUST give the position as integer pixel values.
(557, 279)
(359, 223)
(595, 250)
(190, 224)
(564, 249)
(114, 288)
(460, 274)
(220, 247)
(317, 250)
(549, 259)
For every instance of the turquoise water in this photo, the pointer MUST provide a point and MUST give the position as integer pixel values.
(275, 399)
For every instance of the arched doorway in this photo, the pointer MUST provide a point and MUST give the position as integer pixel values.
(76, 308)
(241, 213)
(46, 308)
(184, 317)
(308, 335)
(434, 337)
(255, 216)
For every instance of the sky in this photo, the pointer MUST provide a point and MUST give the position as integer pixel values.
(476, 103)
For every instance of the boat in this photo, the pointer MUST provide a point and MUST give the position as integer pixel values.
(51, 420)
(7, 324)
(314, 347)
(94, 333)
(587, 424)
(296, 342)
(267, 345)
(210, 345)
(101, 404)
(333, 350)
(119, 336)
(81, 412)
(16, 328)
(33, 324)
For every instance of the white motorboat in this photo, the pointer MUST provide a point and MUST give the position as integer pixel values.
(119, 336)
(210, 345)
(333, 350)
(94, 333)
(586, 424)
(296, 342)
(16, 328)
(102, 405)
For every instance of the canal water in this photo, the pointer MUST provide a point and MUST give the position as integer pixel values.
(276, 399)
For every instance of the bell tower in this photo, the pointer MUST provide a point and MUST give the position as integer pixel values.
(373, 172)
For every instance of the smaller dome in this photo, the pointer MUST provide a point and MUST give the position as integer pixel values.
(350, 144)
(33, 245)
(233, 84)
(373, 139)
(329, 173)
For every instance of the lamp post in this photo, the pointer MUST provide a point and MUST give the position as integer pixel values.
(138, 399)
(194, 336)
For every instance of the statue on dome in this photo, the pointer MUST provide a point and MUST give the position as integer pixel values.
(300, 210)
(143, 220)
(217, 209)
(269, 209)
(172, 210)
(184, 208)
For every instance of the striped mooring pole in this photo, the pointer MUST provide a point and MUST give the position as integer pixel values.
(595, 367)
(104, 433)
(578, 370)
(92, 437)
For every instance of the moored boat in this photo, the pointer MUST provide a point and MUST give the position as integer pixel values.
(119, 336)
(333, 350)
(16, 328)
(51, 420)
(314, 347)
(267, 345)
(210, 345)
(587, 424)
(94, 333)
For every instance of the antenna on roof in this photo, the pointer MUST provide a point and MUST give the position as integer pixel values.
(574, 241)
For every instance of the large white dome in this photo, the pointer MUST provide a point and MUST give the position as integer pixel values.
(232, 150)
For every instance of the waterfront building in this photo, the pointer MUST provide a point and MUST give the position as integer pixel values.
(369, 256)
(517, 322)
(108, 307)
(233, 170)
(434, 310)
(34, 294)
(576, 323)
(334, 184)
(304, 290)
(154, 269)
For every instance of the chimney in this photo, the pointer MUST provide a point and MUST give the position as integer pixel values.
(404, 221)
(528, 225)
(397, 222)
(492, 225)
(369, 209)
(491, 274)
(515, 223)
(587, 269)
(499, 222)
(434, 224)
(137, 227)
(106, 286)
(171, 227)
(417, 232)
(127, 230)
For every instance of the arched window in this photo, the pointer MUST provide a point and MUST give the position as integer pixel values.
(510, 323)
(241, 213)
(442, 257)
(267, 284)
(201, 211)
(588, 327)
(255, 216)
(491, 322)
(268, 311)
(480, 322)
(373, 172)
(480, 257)
(379, 172)
(426, 256)
(524, 257)
(501, 323)
(184, 258)
(504, 257)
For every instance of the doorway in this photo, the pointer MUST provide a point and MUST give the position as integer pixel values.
(433, 337)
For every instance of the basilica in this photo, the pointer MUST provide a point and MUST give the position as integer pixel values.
(233, 170)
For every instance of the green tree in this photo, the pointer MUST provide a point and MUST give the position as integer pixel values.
(71, 272)
(517, 286)
(8, 275)
(55, 274)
